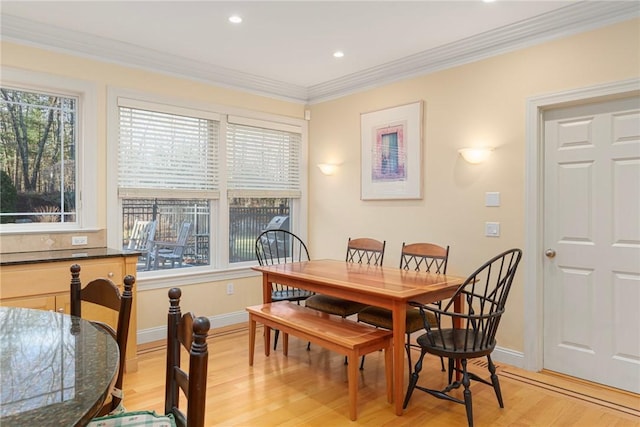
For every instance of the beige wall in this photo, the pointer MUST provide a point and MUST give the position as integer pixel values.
(211, 299)
(481, 103)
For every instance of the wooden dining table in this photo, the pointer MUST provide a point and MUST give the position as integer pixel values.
(386, 287)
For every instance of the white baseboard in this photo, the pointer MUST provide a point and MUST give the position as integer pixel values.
(508, 356)
(160, 333)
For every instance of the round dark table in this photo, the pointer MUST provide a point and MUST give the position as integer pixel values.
(55, 369)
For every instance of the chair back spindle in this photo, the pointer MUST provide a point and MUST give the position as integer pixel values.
(189, 332)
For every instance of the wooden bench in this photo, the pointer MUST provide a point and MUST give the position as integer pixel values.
(343, 336)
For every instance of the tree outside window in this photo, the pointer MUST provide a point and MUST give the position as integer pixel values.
(38, 143)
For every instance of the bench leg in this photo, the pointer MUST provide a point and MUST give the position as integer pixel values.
(388, 371)
(352, 375)
(252, 338)
(285, 344)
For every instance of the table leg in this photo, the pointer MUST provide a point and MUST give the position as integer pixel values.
(399, 313)
(252, 338)
(266, 299)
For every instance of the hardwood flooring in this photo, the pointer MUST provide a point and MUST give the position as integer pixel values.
(309, 388)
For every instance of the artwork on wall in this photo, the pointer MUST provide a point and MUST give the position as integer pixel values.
(392, 153)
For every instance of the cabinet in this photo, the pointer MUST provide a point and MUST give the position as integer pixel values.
(42, 281)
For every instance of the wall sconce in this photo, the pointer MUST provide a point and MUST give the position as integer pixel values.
(475, 155)
(328, 168)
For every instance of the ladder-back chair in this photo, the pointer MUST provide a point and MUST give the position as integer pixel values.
(105, 293)
(424, 257)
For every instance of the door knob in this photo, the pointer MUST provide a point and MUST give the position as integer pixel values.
(550, 253)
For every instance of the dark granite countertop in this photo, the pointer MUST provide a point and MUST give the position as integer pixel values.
(55, 369)
(60, 255)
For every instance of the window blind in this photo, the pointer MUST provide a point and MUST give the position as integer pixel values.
(162, 151)
(262, 162)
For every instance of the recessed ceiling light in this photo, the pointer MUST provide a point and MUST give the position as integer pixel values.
(338, 54)
(488, 1)
(235, 19)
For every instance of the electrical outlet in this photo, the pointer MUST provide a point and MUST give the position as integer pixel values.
(79, 240)
(229, 288)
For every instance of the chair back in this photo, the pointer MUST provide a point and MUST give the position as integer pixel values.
(485, 294)
(189, 332)
(105, 293)
(183, 238)
(424, 257)
(142, 235)
(279, 247)
(365, 251)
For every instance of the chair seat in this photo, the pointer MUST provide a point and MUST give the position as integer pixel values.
(333, 305)
(457, 344)
(290, 294)
(383, 318)
(137, 418)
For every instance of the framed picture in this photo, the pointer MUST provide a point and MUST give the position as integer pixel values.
(392, 153)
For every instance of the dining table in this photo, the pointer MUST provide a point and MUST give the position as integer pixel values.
(55, 369)
(385, 287)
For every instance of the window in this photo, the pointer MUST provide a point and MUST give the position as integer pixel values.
(46, 167)
(263, 167)
(167, 173)
(38, 138)
(227, 176)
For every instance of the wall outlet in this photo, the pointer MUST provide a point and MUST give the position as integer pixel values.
(229, 288)
(79, 240)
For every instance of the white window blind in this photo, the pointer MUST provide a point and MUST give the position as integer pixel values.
(174, 153)
(261, 161)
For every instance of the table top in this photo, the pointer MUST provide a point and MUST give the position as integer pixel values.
(55, 369)
(11, 258)
(389, 282)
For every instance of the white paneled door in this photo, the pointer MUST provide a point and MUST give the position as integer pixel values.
(592, 241)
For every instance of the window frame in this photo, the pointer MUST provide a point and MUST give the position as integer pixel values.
(87, 146)
(219, 267)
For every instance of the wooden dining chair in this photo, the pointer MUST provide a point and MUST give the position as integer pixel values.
(190, 332)
(425, 257)
(183, 331)
(280, 247)
(361, 251)
(104, 293)
(469, 335)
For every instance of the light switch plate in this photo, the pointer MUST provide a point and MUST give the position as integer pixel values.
(492, 229)
(492, 198)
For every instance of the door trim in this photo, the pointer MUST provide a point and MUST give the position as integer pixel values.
(534, 208)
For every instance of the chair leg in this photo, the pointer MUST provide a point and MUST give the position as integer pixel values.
(413, 379)
(451, 366)
(275, 338)
(442, 364)
(495, 382)
(362, 363)
(467, 393)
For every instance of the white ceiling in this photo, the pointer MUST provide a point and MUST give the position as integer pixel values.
(284, 48)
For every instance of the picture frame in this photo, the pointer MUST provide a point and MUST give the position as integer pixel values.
(391, 151)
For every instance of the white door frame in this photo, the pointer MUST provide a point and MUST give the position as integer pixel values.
(534, 208)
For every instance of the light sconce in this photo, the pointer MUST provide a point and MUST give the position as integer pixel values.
(328, 168)
(475, 155)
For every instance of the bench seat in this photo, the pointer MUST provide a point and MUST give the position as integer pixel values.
(334, 333)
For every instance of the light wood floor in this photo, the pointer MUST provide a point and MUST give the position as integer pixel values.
(309, 388)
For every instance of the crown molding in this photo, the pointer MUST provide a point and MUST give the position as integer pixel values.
(563, 22)
(569, 20)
